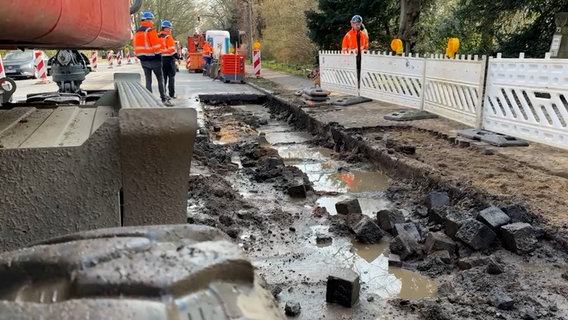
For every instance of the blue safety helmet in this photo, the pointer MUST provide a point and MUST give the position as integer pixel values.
(166, 24)
(146, 16)
(357, 18)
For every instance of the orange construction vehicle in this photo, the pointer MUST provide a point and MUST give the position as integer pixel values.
(194, 60)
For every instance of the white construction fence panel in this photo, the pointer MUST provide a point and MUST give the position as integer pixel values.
(528, 98)
(394, 79)
(338, 72)
(454, 88)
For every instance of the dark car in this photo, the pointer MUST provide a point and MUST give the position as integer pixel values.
(21, 64)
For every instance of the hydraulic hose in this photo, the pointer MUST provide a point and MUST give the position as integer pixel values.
(135, 6)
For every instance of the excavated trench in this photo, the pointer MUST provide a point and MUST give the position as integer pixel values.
(256, 154)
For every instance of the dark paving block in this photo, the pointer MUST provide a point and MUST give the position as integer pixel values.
(475, 234)
(519, 237)
(292, 309)
(388, 218)
(367, 231)
(348, 206)
(453, 222)
(409, 229)
(394, 260)
(343, 288)
(439, 241)
(493, 217)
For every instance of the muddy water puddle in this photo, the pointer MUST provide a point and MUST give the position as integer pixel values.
(344, 180)
(370, 261)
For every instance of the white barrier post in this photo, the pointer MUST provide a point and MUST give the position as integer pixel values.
(41, 68)
(119, 59)
(94, 63)
(128, 60)
(256, 62)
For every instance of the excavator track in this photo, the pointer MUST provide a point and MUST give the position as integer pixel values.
(185, 272)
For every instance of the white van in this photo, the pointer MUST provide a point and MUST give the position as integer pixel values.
(220, 41)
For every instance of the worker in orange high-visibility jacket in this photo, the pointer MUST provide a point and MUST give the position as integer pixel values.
(169, 57)
(355, 41)
(148, 49)
(206, 52)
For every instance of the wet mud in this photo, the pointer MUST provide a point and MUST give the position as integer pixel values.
(272, 178)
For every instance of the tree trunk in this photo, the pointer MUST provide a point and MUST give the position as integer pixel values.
(409, 14)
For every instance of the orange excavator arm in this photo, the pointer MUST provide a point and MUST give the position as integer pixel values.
(92, 24)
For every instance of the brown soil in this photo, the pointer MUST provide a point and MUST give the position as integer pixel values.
(541, 192)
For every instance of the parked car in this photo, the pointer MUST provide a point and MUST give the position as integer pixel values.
(21, 64)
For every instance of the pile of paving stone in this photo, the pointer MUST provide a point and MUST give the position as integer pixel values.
(315, 96)
(450, 236)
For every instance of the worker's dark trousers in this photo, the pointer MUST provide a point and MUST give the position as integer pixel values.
(169, 68)
(156, 67)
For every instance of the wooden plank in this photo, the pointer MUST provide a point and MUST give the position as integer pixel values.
(80, 128)
(102, 113)
(50, 132)
(21, 131)
(8, 118)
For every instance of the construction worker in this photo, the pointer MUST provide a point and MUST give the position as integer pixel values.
(148, 49)
(169, 57)
(355, 41)
(206, 53)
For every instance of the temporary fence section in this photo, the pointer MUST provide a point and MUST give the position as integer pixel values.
(338, 72)
(528, 98)
(523, 98)
(393, 79)
(454, 88)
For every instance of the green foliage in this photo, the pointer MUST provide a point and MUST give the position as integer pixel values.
(488, 27)
(181, 13)
(534, 39)
(297, 69)
(328, 25)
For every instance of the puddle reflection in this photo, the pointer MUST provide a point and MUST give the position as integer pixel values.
(371, 263)
(324, 177)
